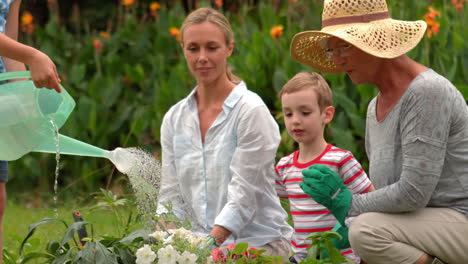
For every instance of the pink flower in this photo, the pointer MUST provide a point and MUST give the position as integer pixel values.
(218, 256)
(231, 246)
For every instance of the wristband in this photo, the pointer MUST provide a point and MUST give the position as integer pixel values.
(212, 241)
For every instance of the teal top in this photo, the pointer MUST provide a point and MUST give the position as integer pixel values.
(4, 9)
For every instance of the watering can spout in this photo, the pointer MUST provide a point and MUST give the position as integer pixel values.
(120, 157)
(70, 146)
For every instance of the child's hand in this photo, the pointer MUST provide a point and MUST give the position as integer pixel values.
(44, 72)
(328, 189)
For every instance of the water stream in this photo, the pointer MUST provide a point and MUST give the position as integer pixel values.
(144, 173)
(57, 166)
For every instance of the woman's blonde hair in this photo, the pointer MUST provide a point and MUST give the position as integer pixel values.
(204, 14)
(310, 80)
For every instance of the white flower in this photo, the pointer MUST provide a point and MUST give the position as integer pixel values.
(159, 235)
(168, 255)
(169, 240)
(209, 260)
(145, 255)
(187, 258)
(196, 241)
(181, 233)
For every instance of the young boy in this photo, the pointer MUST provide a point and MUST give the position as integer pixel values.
(307, 107)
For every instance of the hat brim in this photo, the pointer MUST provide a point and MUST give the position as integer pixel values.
(386, 38)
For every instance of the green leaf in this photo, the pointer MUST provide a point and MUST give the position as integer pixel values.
(36, 255)
(463, 88)
(125, 255)
(344, 138)
(104, 256)
(312, 251)
(52, 246)
(63, 259)
(240, 248)
(77, 73)
(279, 79)
(139, 234)
(344, 101)
(71, 231)
(32, 228)
(359, 123)
(135, 73)
(95, 253)
(9, 258)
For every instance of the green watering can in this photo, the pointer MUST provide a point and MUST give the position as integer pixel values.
(26, 115)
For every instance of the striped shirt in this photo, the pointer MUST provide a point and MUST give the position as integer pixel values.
(309, 216)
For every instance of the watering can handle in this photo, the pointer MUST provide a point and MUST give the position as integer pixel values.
(15, 75)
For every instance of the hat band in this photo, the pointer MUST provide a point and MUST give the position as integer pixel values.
(354, 19)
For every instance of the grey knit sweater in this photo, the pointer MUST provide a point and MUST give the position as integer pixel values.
(419, 153)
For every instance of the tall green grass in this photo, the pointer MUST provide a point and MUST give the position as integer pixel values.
(18, 217)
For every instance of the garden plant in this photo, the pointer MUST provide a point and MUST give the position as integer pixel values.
(145, 246)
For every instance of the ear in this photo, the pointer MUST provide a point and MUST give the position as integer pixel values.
(230, 48)
(327, 114)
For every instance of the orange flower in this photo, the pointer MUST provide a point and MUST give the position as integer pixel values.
(27, 18)
(127, 80)
(154, 6)
(219, 3)
(127, 2)
(104, 34)
(97, 45)
(276, 31)
(175, 32)
(458, 4)
(27, 22)
(433, 26)
(292, 1)
(432, 13)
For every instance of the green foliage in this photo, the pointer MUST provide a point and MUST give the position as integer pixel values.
(97, 249)
(126, 247)
(123, 89)
(322, 250)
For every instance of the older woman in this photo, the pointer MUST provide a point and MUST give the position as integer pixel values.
(416, 138)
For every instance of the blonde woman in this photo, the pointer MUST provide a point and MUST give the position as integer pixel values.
(416, 138)
(219, 145)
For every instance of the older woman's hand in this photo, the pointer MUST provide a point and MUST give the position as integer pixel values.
(327, 188)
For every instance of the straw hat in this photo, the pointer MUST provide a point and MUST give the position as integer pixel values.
(365, 24)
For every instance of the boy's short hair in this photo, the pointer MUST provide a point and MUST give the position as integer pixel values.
(310, 80)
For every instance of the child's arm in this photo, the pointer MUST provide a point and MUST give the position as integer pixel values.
(354, 176)
(43, 71)
(370, 189)
(11, 31)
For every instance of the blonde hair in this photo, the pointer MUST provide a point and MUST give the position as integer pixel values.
(206, 14)
(310, 80)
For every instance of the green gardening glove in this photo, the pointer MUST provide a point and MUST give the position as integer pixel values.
(344, 241)
(339, 243)
(328, 189)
